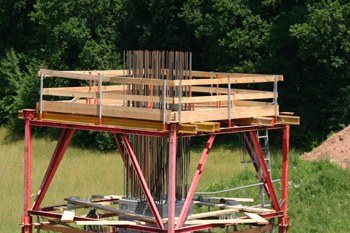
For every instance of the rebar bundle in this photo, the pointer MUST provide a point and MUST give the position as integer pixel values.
(152, 152)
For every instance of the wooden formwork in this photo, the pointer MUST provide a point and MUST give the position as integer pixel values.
(208, 102)
(156, 102)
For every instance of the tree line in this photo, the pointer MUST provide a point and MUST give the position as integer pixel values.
(307, 41)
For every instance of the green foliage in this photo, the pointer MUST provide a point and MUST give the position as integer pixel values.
(307, 41)
(79, 34)
(311, 184)
(230, 33)
(19, 89)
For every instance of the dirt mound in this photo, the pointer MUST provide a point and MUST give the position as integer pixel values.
(336, 148)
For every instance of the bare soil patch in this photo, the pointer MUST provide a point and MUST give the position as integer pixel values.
(336, 148)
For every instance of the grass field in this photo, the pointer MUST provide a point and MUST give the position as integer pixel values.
(319, 191)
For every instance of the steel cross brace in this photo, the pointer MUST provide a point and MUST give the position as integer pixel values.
(195, 181)
(142, 181)
(266, 175)
(61, 147)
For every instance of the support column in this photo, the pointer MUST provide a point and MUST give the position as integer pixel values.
(26, 219)
(284, 221)
(61, 147)
(172, 179)
(195, 181)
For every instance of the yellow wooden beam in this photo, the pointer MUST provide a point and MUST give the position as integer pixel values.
(207, 126)
(188, 128)
(113, 122)
(288, 120)
(263, 121)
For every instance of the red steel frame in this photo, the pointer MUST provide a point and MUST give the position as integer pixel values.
(172, 134)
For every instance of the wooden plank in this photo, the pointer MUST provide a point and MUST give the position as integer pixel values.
(109, 223)
(71, 93)
(212, 213)
(254, 95)
(256, 230)
(115, 122)
(234, 80)
(251, 103)
(108, 196)
(222, 113)
(206, 74)
(290, 120)
(263, 121)
(237, 103)
(61, 229)
(117, 88)
(112, 210)
(240, 208)
(240, 94)
(71, 206)
(207, 126)
(219, 221)
(127, 80)
(68, 215)
(97, 72)
(107, 111)
(227, 198)
(157, 99)
(200, 99)
(258, 218)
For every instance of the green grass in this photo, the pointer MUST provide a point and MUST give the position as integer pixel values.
(319, 192)
(81, 173)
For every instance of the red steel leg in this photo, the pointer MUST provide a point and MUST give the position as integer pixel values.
(143, 182)
(195, 181)
(26, 219)
(284, 221)
(61, 147)
(172, 181)
(266, 175)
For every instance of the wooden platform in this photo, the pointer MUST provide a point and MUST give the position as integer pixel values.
(202, 99)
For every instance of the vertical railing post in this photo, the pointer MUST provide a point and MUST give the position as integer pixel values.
(26, 219)
(172, 178)
(164, 102)
(100, 101)
(229, 101)
(275, 95)
(41, 95)
(284, 221)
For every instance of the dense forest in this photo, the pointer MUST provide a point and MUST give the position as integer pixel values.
(307, 41)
